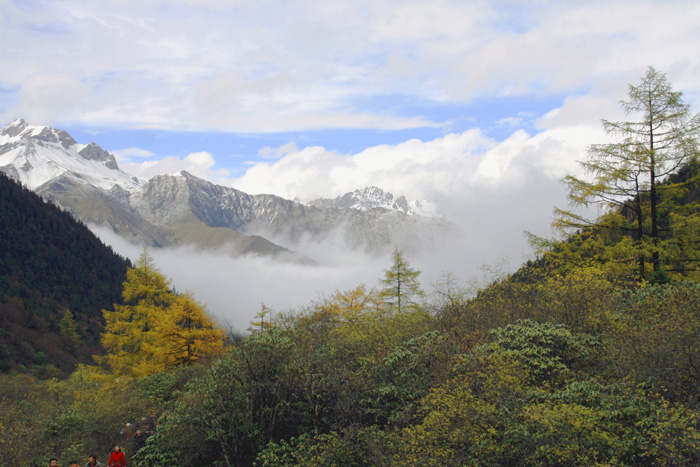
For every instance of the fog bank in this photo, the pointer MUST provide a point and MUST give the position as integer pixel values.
(490, 222)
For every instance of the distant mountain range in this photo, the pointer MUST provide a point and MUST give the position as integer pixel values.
(182, 209)
(373, 197)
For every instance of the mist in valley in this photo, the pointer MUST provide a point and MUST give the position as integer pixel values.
(489, 240)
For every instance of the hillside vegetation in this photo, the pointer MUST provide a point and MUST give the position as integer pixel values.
(55, 276)
(589, 355)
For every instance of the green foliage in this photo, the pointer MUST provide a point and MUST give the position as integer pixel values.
(40, 358)
(547, 351)
(638, 421)
(151, 456)
(660, 277)
(367, 447)
(232, 408)
(69, 328)
(40, 419)
(162, 387)
(489, 414)
(405, 378)
(50, 263)
(573, 296)
(654, 335)
(401, 285)
(464, 421)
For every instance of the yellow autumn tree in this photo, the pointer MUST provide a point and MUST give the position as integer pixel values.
(188, 333)
(155, 328)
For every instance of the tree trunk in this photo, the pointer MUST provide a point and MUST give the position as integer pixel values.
(652, 196)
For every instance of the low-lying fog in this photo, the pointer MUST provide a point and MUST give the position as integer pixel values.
(492, 225)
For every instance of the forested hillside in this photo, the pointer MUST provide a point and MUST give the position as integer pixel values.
(588, 355)
(55, 276)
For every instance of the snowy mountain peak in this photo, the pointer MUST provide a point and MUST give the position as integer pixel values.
(372, 197)
(183, 209)
(35, 155)
(93, 152)
(19, 131)
(14, 128)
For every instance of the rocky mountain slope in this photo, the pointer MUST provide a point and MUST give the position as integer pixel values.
(373, 197)
(167, 199)
(170, 210)
(35, 155)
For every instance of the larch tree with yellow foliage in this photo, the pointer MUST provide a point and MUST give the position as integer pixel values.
(155, 328)
(626, 177)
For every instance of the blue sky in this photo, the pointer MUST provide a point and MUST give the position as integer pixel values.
(496, 117)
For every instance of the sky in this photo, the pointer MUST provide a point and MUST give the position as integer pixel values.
(478, 106)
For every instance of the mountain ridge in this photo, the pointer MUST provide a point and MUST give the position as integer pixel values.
(171, 210)
(372, 197)
(35, 155)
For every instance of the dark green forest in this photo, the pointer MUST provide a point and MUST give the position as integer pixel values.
(587, 355)
(50, 264)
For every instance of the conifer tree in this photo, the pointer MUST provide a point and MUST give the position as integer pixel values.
(401, 285)
(261, 322)
(69, 328)
(625, 176)
(130, 328)
(188, 332)
(155, 328)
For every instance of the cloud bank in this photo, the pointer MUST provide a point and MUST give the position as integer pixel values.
(303, 65)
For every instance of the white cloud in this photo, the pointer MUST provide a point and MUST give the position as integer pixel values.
(510, 121)
(275, 153)
(235, 66)
(453, 166)
(127, 154)
(200, 164)
(44, 96)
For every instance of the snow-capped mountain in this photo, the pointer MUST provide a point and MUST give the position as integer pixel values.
(35, 155)
(373, 197)
(170, 210)
(167, 197)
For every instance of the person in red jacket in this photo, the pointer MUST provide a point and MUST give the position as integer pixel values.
(116, 459)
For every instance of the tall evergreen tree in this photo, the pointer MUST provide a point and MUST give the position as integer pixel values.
(401, 285)
(625, 176)
(188, 333)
